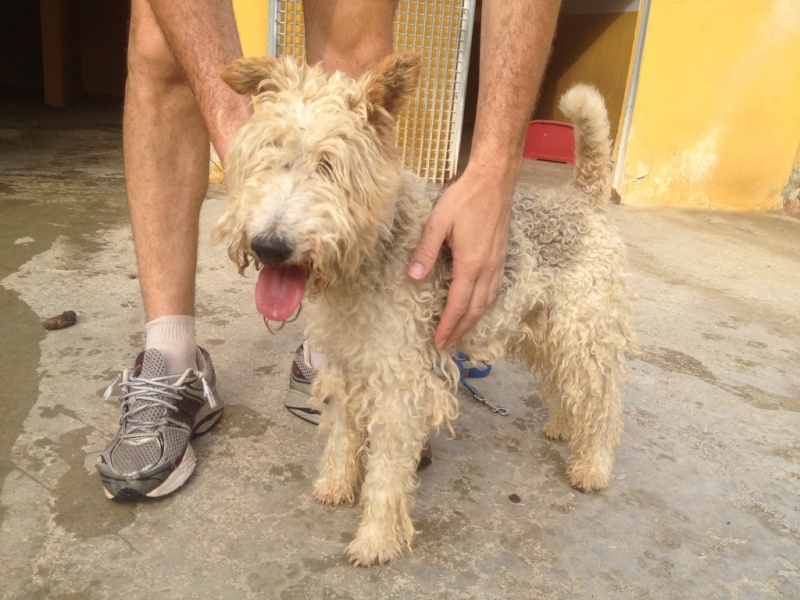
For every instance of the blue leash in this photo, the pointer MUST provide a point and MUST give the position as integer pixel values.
(475, 372)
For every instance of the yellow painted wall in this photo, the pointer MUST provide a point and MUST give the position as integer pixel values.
(251, 20)
(716, 122)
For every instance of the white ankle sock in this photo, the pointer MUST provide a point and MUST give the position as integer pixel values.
(317, 358)
(312, 358)
(174, 336)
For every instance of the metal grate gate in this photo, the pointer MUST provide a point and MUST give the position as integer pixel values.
(429, 128)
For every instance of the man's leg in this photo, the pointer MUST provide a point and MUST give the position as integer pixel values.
(174, 101)
(348, 35)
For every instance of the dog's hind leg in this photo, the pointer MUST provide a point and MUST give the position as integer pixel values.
(395, 442)
(596, 428)
(579, 367)
(531, 349)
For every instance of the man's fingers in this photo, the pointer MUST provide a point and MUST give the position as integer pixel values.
(469, 297)
(466, 302)
(479, 301)
(458, 301)
(427, 251)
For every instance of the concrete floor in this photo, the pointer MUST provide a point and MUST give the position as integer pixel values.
(705, 498)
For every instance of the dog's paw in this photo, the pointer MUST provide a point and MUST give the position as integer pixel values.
(365, 551)
(589, 480)
(556, 430)
(333, 493)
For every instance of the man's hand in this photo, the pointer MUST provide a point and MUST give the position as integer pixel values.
(472, 217)
(473, 214)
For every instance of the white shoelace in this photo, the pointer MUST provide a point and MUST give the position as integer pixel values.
(151, 392)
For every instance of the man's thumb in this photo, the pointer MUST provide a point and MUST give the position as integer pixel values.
(425, 255)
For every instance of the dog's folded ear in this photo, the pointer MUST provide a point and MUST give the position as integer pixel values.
(249, 75)
(393, 82)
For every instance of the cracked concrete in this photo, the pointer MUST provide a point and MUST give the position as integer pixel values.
(704, 502)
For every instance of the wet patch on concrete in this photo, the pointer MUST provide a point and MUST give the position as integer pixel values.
(533, 401)
(465, 487)
(305, 587)
(676, 361)
(21, 332)
(730, 323)
(641, 499)
(216, 314)
(657, 565)
(443, 523)
(765, 400)
(288, 472)
(50, 412)
(511, 444)
(712, 337)
(548, 458)
(40, 202)
(107, 375)
(137, 339)
(562, 504)
(78, 503)
(780, 522)
(792, 454)
(240, 421)
(521, 424)
(265, 370)
(644, 418)
(216, 321)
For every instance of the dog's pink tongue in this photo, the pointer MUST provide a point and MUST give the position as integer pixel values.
(279, 291)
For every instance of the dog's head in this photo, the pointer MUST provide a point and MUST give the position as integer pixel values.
(313, 175)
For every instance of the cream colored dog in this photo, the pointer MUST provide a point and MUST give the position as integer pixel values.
(320, 201)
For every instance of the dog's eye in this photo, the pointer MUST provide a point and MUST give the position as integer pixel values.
(325, 168)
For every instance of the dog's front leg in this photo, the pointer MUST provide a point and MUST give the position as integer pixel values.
(341, 461)
(385, 529)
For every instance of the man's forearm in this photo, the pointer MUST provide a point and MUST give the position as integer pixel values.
(516, 36)
(204, 39)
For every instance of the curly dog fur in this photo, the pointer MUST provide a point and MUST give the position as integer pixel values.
(320, 203)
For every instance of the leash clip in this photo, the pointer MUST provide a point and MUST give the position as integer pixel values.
(500, 410)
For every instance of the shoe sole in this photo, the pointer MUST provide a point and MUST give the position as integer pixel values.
(296, 402)
(206, 422)
(180, 475)
(175, 480)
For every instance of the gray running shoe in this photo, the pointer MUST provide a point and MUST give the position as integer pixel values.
(150, 456)
(298, 398)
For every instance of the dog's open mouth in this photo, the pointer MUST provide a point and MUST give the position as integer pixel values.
(279, 290)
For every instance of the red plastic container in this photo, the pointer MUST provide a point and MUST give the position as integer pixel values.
(550, 140)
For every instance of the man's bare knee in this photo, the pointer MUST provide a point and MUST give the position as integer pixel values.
(350, 36)
(149, 56)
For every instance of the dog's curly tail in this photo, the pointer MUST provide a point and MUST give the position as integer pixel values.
(585, 107)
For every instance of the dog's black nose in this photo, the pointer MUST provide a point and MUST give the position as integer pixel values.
(270, 250)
